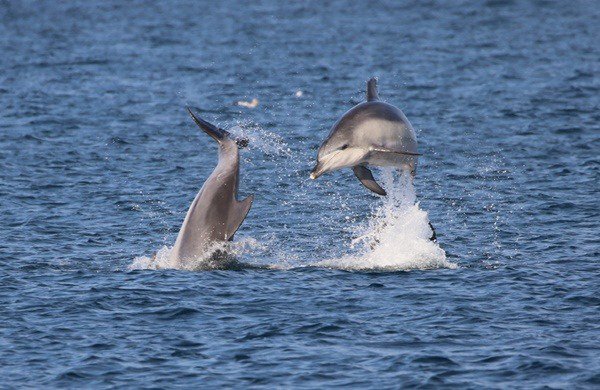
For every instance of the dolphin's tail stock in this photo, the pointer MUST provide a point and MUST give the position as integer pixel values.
(215, 132)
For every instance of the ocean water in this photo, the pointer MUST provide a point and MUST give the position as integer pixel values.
(341, 288)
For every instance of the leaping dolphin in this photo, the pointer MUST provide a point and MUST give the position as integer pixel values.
(215, 214)
(372, 132)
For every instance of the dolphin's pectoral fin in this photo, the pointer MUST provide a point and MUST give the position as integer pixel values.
(366, 178)
(238, 214)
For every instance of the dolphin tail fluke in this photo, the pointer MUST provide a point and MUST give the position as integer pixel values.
(210, 129)
(372, 89)
(216, 133)
(366, 178)
(238, 214)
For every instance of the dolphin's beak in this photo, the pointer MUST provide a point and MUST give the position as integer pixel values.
(316, 171)
(336, 160)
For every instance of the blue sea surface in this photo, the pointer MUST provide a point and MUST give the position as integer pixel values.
(99, 162)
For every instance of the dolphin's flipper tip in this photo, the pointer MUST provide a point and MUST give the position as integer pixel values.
(372, 93)
(366, 178)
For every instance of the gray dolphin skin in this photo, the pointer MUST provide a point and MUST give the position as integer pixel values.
(370, 133)
(215, 214)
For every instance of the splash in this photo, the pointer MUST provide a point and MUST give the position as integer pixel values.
(265, 141)
(396, 236)
(221, 255)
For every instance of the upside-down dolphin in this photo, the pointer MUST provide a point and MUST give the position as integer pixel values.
(215, 214)
(370, 133)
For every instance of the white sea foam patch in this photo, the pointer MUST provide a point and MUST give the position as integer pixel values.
(396, 236)
(162, 259)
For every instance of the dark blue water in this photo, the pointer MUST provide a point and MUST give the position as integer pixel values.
(99, 162)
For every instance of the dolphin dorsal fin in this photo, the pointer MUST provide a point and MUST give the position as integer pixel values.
(237, 215)
(372, 94)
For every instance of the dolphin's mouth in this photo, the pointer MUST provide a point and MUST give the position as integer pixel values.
(324, 165)
(321, 167)
(316, 171)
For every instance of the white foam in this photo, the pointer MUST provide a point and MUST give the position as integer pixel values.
(396, 236)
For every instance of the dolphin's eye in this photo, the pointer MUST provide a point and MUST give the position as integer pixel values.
(344, 146)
